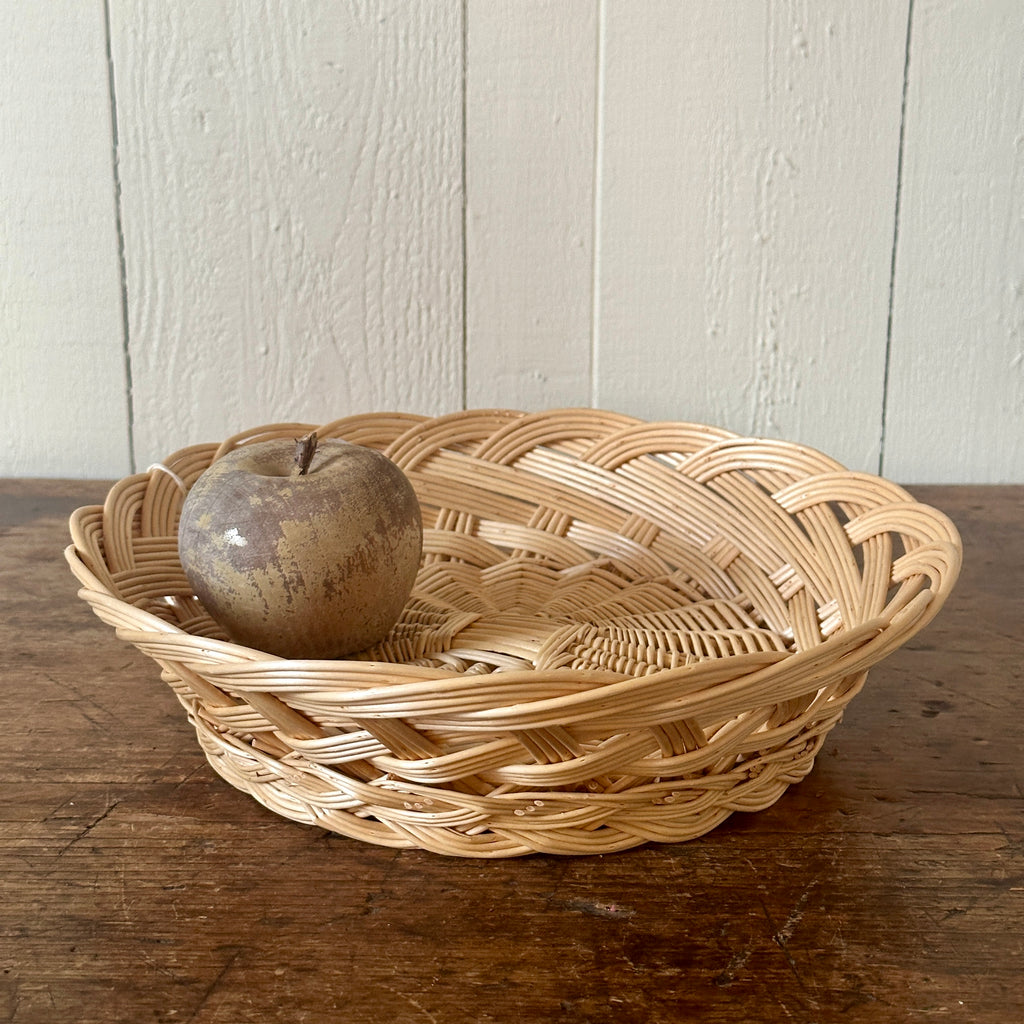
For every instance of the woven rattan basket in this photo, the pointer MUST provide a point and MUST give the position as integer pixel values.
(621, 632)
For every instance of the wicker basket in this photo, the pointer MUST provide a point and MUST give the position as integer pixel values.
(621, 632)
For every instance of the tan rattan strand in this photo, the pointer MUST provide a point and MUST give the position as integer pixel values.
(622, 632)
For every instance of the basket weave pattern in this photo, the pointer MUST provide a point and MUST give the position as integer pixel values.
(621, 633)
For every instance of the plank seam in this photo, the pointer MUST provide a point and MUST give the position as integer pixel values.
(119, 231)
(597, 185)
(465, 206)
(895, 240)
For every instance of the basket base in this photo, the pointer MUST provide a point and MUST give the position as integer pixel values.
(509, 825)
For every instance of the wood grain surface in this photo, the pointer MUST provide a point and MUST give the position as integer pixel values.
(136, 886)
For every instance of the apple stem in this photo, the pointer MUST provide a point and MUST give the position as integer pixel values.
(305, 449)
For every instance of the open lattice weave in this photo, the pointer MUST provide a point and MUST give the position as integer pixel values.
(621, 632)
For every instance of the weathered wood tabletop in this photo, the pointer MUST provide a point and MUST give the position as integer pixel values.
(137, 886)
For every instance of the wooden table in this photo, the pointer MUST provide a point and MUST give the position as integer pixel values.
(137, 886)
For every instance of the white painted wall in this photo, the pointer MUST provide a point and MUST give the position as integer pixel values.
(63, 395)
(955, 408)
(748, 182)
(785, 217)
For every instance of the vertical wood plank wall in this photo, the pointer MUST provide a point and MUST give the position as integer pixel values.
(955, 404)
(291, 192)
(747, 215)
(530, 133)
(63, 387)
(791, 218)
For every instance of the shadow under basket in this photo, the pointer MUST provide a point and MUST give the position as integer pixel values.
(621, 631)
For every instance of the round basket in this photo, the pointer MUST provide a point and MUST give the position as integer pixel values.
(621, 631)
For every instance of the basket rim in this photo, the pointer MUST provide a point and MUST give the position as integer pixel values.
(943, 545)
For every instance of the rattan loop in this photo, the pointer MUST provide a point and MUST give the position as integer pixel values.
(160, 467)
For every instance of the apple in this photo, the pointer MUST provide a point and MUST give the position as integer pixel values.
(304, 549)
